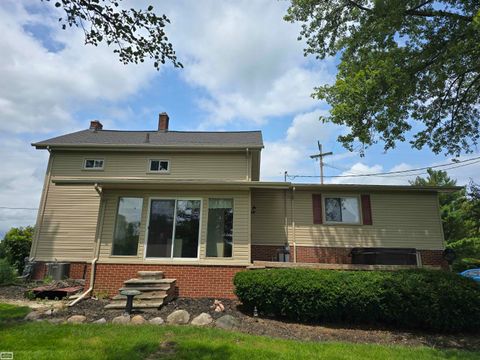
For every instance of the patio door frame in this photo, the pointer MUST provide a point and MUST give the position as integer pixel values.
(171, 258)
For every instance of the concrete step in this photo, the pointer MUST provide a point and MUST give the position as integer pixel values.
(155, 275)
(145, 296)
(160, 287)
(136, 305)
(148, 282)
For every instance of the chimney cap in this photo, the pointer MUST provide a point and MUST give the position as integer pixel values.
(95, 125)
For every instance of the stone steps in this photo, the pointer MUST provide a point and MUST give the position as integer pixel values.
(155, 291)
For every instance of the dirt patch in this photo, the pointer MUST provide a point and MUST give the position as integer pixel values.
(94, 310)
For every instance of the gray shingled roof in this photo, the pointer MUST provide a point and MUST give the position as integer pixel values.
(230, 139)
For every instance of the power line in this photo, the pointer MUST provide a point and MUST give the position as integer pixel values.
(449, 165)
(10, 208)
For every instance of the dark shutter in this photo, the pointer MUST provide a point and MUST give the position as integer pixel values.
(366, 210)
(317, 208)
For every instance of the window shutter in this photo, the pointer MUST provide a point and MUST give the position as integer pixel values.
(366, 210)
(317, 208)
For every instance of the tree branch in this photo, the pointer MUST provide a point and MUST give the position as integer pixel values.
(438, 13)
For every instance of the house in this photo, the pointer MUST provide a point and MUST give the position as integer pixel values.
(192, 205)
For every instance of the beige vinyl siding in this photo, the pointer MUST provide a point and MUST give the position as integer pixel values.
(68, 226)
(241, 226)
(183, 165)
(268, 222)
(400, 219)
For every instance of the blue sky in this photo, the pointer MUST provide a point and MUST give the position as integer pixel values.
(244, 70)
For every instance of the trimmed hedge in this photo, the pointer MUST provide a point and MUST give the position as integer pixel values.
(468, 253)
(419, 299)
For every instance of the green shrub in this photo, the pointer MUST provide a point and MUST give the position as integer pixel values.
(468, 253)
(423, 299)
(16, 246)
(7, 273)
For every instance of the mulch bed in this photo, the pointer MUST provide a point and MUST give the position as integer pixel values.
(94, 310)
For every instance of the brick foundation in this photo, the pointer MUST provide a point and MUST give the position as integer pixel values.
(192, 281)
(433, 258)
(332, 255)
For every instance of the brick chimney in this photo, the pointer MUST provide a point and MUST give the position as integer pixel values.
(95, 125)
(163, 122)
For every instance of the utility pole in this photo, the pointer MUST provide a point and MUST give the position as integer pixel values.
(320, 156)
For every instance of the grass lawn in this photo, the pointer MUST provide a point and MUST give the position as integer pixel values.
(41, 340)
(11, 312)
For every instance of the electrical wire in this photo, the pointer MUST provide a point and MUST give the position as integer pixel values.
(17, 208)
(395, 173)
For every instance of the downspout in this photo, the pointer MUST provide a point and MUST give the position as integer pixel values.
(248, 163)
(97, 248)
(293, 227)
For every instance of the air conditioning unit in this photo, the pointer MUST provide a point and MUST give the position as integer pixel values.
(58, 270)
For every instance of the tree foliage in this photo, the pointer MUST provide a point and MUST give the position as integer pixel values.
(137, 33)
(405, 66)
(15, 246)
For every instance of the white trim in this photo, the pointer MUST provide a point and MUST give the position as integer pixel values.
(171, 258)
(324, 212)
(93, 168)
(149, 164)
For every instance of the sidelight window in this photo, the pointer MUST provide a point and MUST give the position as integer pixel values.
(220, 228)
(127, 226)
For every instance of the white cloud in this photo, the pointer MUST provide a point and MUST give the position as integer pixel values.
(246, 57)
(292, 152)
(41, 89)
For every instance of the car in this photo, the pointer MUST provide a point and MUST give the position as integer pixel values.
(473, 274)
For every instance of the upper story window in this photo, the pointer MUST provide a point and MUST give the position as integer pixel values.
(93, 164)
(161, 166)
(342, 210)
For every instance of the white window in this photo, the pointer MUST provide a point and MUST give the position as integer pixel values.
(159, 166)
(93, 164)
(342, 210)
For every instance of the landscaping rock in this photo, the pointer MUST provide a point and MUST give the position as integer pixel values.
(202, 320)
(56, 321)
(138, 320)
(226, 322)
(100, 321)
(33, 315)
(122, 319)
(178, 317)
(76, 319)
(156, 321)
(49, 312)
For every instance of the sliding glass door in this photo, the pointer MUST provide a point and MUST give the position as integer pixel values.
(173, 228)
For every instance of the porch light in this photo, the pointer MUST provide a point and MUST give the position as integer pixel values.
(254, 209)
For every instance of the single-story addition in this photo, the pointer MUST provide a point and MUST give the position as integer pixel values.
(191, 204)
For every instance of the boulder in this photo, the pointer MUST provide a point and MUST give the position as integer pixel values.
(33, 315)
(226, 322)
(156, 321)
(178, 317)
(76, 319)
(138, 320)
(122, 319)
(100, 321)
(202, 320)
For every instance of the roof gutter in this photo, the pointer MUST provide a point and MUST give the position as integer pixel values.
(144, 147)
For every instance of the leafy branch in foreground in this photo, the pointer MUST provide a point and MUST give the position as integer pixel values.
(137, 34)
(406, 67)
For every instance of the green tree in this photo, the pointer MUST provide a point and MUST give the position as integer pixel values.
(405, 66)
(137, 34)
(15, 246)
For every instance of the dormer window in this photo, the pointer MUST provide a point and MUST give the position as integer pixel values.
(93, 164)
(159, 166)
